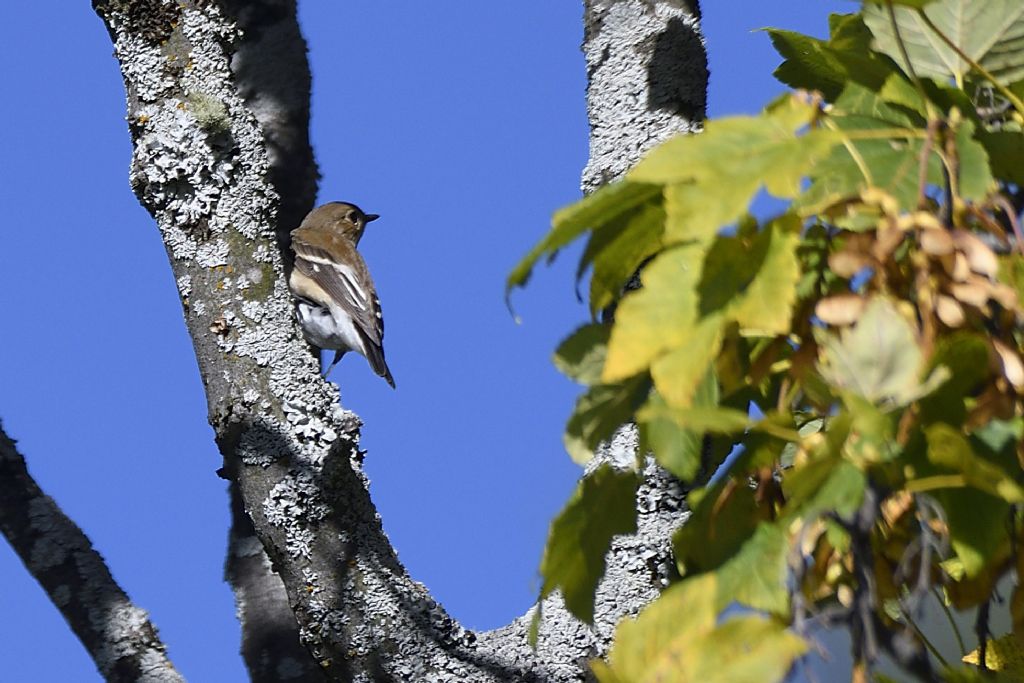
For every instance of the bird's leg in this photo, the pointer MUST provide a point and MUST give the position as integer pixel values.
(337, 356)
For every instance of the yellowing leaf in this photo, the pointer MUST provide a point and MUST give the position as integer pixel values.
(675, 640)
(947, 448)
(714, 175)
(657, 317)
(597, 208)
(603, 505)
(678, 373)
(689, 216)
(659, 632)
(1005, 655)
(767, 303)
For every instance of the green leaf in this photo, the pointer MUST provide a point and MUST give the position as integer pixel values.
(965, 355)
(1006, 154)
(949, 450)
(754, 279)
(987, 31)
(677, 448)
(905, 3)
(599, 412)
(1011, 272)
(756, 575)
(724, 517)
(891, 163)
(872, 432)
(977, 526)
(1004, 656)
(597, 208)
(878, 359)
(581, 356)
(700, 419)
(827, 66)
(603, 506)
(618, 249)
(975, 176)
(827, 484)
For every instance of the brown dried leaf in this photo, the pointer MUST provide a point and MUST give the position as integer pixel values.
(980, 258)
(949, 310)
(975, 292)
(936, 242)
(1005, 295)
(878, 197)
(842, 309)
(886, 243)
(1013, 368)
(847, 263)
(992, 404)
(956, 266)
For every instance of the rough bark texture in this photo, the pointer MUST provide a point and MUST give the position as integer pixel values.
(273, 78)
(647, 76)
(271, 646)
(201, 167)
(118, 635)
(646, 81)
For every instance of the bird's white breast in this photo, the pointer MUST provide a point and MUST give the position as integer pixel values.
(328, 331)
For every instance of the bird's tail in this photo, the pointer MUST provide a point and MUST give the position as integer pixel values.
(375, 354)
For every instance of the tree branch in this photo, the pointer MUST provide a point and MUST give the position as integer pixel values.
(118, 635)
(201, 168)
(272, 75)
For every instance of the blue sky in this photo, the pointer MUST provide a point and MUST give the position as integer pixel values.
(464, 126)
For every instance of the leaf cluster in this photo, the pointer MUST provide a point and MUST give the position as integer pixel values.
(862, 347)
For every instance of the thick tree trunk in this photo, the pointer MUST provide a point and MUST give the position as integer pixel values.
(201, 167)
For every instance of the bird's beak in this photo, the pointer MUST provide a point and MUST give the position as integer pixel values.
(372, 217)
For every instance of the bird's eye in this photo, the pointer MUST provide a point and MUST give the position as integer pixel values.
(352, 216)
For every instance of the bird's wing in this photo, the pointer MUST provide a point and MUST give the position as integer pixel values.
(348, 284)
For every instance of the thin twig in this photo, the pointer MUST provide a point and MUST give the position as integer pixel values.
(981, 630)
(952, 622)
(922, 170)
(1011, 215)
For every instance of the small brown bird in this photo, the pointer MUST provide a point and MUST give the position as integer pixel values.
(335, 299)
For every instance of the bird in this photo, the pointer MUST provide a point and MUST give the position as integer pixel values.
(335, 300)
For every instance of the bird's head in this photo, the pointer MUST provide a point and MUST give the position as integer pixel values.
(343, 217)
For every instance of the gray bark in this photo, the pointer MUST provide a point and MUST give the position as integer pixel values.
(646, 81)
(201, 167)
(273, 78)
(647, 74)
(118, 635)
